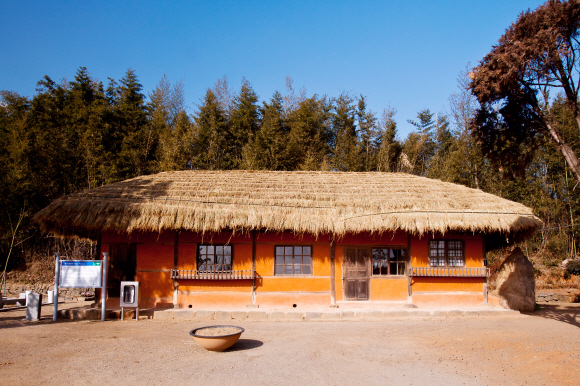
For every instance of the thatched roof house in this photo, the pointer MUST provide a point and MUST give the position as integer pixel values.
(303, 202)
(292, 238)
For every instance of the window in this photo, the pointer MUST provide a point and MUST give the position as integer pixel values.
(388, 261)
(293, 260)
(446, 253)
(214, 258)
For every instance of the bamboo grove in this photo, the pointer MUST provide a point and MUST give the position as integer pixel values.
(80, 134)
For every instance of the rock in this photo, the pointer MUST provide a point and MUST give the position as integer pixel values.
(516, 283)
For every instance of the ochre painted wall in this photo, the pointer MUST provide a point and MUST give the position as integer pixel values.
(380, 288)
(447, 284)
(203, 293)
(365, 238)
(155, 259)
(473, 249)
(154, 264)
(419, 253)
(338, 272)
(389, 289)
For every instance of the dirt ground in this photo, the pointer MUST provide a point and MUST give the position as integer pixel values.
(538, 349)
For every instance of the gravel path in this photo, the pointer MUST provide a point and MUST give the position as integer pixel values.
(542, 349)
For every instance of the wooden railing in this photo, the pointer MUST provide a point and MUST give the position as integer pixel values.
(243, 274)
(449, 271)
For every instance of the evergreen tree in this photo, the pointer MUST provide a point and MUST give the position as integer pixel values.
(307, 146)
(347, 154)
(265, 151)
(169, 121)
(419, 148)
(244, 121)
(137, 140)
(88, 112)
(212, 147)
(389, 148)
(368, 134)
(443, 165)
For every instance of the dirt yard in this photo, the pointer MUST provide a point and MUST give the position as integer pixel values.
(543, 349)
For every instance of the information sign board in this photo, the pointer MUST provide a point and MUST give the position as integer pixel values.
(81, 274)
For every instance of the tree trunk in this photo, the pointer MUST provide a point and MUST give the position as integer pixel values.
(566, 151)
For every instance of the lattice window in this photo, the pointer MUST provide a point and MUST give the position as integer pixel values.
(389, 261)
(293, 260)
(214, 258)
(455, 256)
(437, 253)
(446, 253)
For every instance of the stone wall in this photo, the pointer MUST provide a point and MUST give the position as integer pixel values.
(14, 290)
(562, 296)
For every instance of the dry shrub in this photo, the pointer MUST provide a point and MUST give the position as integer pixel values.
(39, 263)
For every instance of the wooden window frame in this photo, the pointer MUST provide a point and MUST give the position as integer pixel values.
(293, 246)
(199, 264)
(398, 261)
(446, 258)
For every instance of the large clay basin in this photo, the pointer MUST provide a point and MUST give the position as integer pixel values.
(216, 342)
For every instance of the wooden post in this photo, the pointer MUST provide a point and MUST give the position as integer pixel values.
(485, 290)
(332, 274)
(409, 271)
(483, 258)
(175, 265)
(253, 267)
(409, 286)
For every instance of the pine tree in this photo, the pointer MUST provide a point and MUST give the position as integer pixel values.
(88, 112)
(368, 134)
(419, 148)
(266, 149)
(444, 164)
(307, 146)
(244, 121)
(212, 147)
(347, 154)
(388, 147)
(170, 123)
(130, 130)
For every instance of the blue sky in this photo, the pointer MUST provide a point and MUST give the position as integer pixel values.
(402, 54)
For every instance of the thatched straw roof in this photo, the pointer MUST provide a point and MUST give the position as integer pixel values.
(304, 202)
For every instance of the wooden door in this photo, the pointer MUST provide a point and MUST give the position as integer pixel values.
(356, 274)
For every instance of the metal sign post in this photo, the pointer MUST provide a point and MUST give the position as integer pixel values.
(80, 274)
(104, 287)
(56, 277)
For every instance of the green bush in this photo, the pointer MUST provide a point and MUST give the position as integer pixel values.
(573, 267)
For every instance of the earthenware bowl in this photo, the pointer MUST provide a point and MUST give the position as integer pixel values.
(216, 342)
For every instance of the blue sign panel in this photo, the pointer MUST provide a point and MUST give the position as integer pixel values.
(78, 263)
(81, 273)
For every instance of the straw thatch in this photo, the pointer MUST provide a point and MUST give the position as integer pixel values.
(304, 202)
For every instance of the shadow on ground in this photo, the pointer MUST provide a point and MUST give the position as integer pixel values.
(567, 313)
(246, 344)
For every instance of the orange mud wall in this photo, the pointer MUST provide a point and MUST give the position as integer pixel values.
(385, 288)
(157, 255)
(209, 293)
(154, 262)
(443, 291)
(299, 290)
